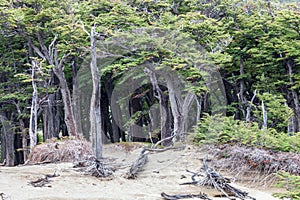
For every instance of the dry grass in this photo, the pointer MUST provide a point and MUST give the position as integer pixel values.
(60, 151)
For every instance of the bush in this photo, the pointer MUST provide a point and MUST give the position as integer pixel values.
(220, 130)
(291, 183)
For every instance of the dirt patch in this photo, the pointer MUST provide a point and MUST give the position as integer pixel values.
(164, 172)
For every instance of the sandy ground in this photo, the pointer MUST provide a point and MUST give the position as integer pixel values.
(163, 173)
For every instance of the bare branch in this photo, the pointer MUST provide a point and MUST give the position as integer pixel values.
(37, 50)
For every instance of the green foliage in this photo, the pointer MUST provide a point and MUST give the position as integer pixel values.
(277, 110)
(219, 130)
(291, 183)
(40, 137)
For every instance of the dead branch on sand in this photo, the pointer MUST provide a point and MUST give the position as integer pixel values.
(184, 196)
(41, 182)
(3, 196)
(213, 179)
(137, 165)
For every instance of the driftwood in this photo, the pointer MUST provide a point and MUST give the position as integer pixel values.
(41, 182)
(184, 196)
(137, 165)
(214, 179)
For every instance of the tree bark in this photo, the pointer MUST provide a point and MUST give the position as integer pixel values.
(23, 132)
(67, 100)
(241, 97)
(48, 118)
(34, 109)
(76, 101)
(265, 116)
(163, 107)
(95, 109)
(294, 96)
(199, 110)
(8, 136)
(248, 114)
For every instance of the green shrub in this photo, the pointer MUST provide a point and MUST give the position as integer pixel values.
(219, 130)
(40, 137)
(291, 183)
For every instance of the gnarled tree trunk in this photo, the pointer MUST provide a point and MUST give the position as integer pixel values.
(95, 109)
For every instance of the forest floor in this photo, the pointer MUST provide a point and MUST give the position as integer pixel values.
(163, 172)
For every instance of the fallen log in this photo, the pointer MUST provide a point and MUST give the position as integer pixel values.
(185, 196)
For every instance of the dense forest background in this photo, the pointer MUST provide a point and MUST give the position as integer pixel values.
(229, 69)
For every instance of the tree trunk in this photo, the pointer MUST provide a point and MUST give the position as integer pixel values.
(163, 108)
(241, 97)
(76, 101)
(248, 114)
(34, 109)
(265, 116)
(294, 96)
(25, 149)
(175, 98)
(188, 100)
(199, 110)
(95, 109)
(67, 100)
(8, 136)
(48, 118)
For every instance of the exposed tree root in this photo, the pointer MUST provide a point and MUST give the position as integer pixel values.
(92, 166)
(184, 196)
(254, 165)
(265, 161)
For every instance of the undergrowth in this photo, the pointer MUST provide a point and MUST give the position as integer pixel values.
(291, 183)
(224, 130)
